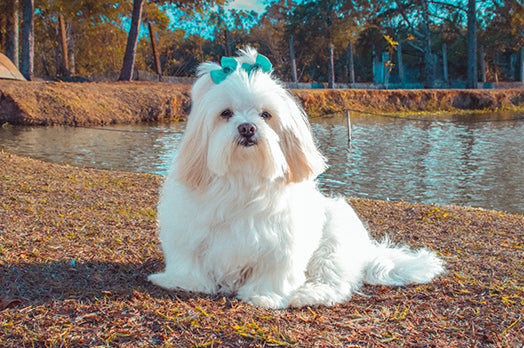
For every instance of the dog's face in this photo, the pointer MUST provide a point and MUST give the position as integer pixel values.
(247, 127)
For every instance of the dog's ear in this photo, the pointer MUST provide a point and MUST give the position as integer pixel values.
(191, 161)
(302, 156)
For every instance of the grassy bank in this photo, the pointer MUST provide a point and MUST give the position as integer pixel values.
(412, 102)
(89, 104)
(94, 104)
(77, 244)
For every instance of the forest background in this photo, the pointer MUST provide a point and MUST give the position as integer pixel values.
(432, 36)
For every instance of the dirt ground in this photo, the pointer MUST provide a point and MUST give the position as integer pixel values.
(76, 246)
(95, 104)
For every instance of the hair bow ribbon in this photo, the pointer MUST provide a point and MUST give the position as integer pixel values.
(261, 63)
(230, 64)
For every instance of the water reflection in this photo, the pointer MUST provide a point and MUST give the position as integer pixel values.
(464, 162)
(136, 148)
(444, 162)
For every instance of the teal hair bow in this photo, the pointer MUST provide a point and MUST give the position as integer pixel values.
(228, 66)
(261, 63)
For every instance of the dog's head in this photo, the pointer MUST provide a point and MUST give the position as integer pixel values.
(243, 123)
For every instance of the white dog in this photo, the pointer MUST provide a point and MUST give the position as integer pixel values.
(240, 212)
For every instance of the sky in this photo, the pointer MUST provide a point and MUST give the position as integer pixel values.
(248, 5)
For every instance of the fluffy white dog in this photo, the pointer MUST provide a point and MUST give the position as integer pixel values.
(240, 212)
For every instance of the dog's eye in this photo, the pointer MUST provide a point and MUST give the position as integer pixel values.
(226, 114)
(265, 115)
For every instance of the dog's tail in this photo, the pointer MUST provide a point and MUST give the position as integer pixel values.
(393, 265)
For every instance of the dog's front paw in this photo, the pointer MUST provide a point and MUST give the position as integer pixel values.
(186, 282)
(315, 294)
(305, 296)
(267, 301)
(163, 280)
(160, 279)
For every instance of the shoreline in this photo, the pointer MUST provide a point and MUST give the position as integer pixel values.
(99, 103)
(77, 245)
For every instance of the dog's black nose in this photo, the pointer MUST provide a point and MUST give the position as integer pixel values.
(247, 130)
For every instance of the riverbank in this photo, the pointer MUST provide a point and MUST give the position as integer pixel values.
(95, 104)
(77, 245)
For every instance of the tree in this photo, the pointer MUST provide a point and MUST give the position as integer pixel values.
(429, 62)
(95, 40)
(129, 57)
(64, 66)
(316, 25)
(414, 23)
(222, 29)
(95, 35)
(28, 39)
(472, 81)
(153, 15)
(501, 32)
(272, 37)
(12, 32)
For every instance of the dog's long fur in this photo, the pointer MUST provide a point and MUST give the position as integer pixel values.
(249, 221)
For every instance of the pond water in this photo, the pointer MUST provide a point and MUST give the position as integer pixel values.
(469, 161)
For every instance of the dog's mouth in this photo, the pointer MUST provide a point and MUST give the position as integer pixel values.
(247, 142)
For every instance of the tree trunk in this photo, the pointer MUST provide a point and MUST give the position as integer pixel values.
(445, 64)
(351, 63)
(521, 65)
(63, 44)
(28, 39)
(158, 68)
(374, 63)
(226, 42)
(400, 66)
(293, 61)
(482, 65)
(331, 72)
(472, 81)
(128, 66)
(429, 62)
(71, 49)
(13, 34)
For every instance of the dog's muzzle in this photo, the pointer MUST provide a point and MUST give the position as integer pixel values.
(247, 132)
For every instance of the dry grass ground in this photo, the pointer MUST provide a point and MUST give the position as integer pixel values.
(76, 246)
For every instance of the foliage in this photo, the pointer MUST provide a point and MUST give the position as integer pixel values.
(189, 32)
(502, 34)
(107, 52)
(94, 30)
